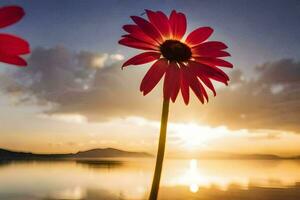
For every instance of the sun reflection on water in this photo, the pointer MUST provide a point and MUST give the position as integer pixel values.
(132, 179)
(224, 174)
(195, 177)
(72, 193)
(191, 177)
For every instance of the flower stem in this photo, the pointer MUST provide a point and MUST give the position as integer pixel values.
(161, 150)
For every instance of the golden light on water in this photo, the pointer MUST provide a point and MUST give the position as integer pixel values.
(73, 193)
(194, 175)
(71, 180)
(194, 188)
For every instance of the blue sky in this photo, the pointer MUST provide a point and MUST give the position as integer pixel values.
(256, 31)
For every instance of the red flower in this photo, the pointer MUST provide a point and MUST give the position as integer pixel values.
(11, 47)
(185, 64)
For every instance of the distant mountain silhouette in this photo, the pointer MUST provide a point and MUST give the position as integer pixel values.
(111, 152)
(93, 153)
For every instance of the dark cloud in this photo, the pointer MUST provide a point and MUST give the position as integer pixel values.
(284, 71)
(268, 100)
(53, 72)
(236, 77)
(71, 83)
(113, 93)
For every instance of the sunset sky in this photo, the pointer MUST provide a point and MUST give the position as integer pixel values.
(74, 96)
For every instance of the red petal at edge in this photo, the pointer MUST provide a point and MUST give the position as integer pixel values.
(171, 81)
(211, 45)
(13, 45)
(195, 85)
(178, 24)
(209, 71)
(10, 15)
(213, 62)
(13, 59)
(209, 53)
(198, 36)
(184, 85)
(142, 58)
(153, 76)
(160, 21)
(138, 34)
(148, 28)
(208, 83)
(176, 85)
(134, 43)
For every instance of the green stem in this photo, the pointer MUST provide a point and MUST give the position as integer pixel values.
(161, 150)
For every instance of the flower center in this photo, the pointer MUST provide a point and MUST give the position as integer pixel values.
(173, 50)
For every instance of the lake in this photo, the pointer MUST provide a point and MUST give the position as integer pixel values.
(131, 179)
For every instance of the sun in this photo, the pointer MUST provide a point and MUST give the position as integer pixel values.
(195, 136)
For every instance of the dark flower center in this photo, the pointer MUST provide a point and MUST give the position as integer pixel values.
(174, 50)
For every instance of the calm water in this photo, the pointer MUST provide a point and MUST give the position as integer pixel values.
(130, 179)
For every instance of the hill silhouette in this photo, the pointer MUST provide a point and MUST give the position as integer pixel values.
(93, 153)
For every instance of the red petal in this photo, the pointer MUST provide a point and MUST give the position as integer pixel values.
(213, 62)
(184, 85)
(10, 15)
(208, 83)
(171, 80)
(211, 45)
(176, 85)
(209, 53)
(13, 45)
(209, 71)
(153, 76)
(198, 36)
(148, 28)
(161, 22)
(12, 59)
(204, 79)
(195, 84)
(203, 90)
(138, 34)
(142, 58)
(131, 42)
(178, 24)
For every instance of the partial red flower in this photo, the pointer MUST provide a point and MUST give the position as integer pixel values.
(11, 46)
(185, 64)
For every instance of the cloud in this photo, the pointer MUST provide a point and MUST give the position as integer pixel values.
(271, 99)
(284, 71)
(70, 118)
(69, 82)
(104, 59)
(113, 93)
(53, 72)
(117, 57)
(99, 61)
